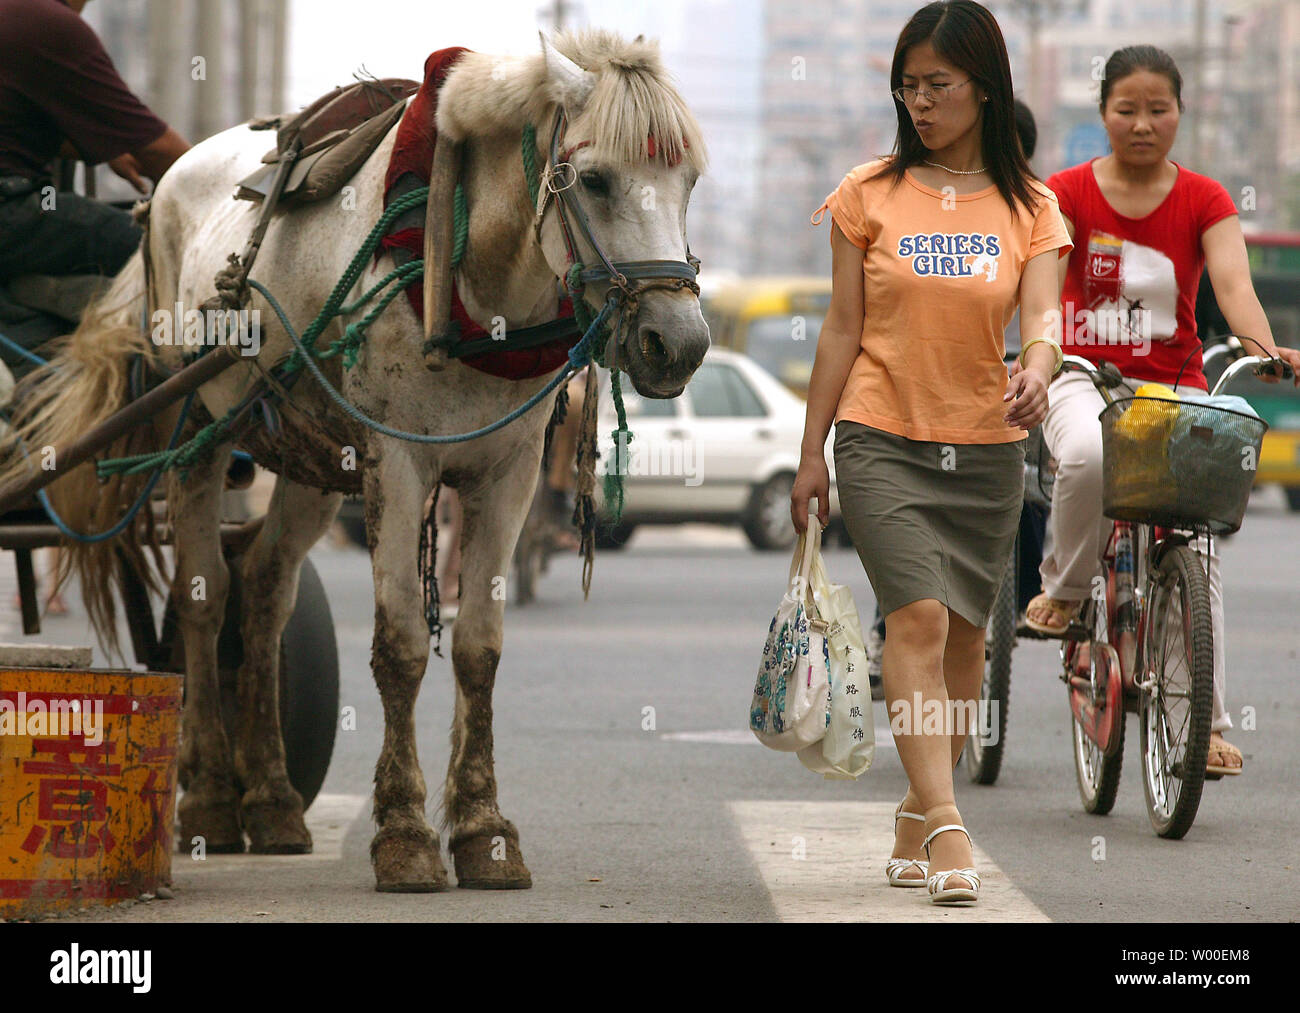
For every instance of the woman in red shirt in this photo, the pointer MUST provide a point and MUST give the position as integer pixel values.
(1143, 227)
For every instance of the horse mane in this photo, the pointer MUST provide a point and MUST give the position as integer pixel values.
(633, 98)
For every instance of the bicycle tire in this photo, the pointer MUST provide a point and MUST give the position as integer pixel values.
(1181, 568)
(984, 759)
(1096, 774)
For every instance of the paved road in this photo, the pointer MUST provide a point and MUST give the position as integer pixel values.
(694, 821)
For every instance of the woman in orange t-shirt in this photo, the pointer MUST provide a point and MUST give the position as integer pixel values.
(932, 249)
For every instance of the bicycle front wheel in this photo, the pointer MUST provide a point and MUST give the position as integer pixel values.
(1096, 774)
(1177, 687)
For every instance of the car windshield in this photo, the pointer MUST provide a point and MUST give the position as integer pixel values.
(785, 345)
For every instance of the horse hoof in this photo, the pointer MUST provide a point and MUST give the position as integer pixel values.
(211, 822)
(490, 862)
(407, 860)
(277, 827)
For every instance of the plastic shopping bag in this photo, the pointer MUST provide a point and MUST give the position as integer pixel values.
(849, 745)
(791, 705)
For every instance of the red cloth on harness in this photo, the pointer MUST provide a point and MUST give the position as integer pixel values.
(413, 152)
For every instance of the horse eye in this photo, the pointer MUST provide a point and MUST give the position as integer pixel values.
(594, 181)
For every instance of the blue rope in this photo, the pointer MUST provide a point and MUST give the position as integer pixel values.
(136, 507)
(13, 346)
(579, 356)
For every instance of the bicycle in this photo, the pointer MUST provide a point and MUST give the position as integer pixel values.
(1172, 472)
(1099, 701)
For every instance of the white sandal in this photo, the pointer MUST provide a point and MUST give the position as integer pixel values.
(895, 867)
(937, 882)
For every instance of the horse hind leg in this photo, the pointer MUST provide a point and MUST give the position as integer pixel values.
(484, 844)
(209, 809)
(271, 807)
(405, 851)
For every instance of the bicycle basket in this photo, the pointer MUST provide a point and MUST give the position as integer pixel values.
(1179, 464)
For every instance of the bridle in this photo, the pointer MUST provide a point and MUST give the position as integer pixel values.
(630, 278)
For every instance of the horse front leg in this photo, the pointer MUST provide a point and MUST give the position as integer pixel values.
(484, 844)
(405, 851)
(271, 807)
(209, 809)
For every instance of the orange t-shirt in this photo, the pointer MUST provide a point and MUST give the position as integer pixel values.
(942, 281)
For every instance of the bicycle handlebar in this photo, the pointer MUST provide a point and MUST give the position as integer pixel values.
(1107, 378)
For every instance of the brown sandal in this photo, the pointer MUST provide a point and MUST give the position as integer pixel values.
(1220, 751)
(1059, 608)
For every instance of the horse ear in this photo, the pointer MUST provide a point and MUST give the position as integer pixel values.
(570, 85)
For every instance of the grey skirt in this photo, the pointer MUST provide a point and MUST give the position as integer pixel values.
(930, 520)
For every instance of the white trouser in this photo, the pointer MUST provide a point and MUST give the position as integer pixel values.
(1078, 529)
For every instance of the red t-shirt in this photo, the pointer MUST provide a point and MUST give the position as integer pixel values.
(1130, 289)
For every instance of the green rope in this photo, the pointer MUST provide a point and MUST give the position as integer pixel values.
(460, 217)
(355, 333)
(530, 163)
(334, 304)
(216, 432)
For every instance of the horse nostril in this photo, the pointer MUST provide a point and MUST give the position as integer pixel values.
(654, 350)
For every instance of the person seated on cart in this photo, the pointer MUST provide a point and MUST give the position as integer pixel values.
(1144, 228)
(60, 96)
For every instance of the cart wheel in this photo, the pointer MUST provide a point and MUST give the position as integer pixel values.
(309, 678)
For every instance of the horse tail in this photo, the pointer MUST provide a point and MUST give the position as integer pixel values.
(86, 380)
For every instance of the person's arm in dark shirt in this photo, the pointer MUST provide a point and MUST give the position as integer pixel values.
(75, 83)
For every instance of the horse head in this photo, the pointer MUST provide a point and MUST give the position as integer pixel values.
(618, 153)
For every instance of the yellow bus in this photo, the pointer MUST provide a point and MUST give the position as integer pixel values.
(775, 320)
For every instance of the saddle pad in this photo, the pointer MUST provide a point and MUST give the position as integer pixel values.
(338, 132)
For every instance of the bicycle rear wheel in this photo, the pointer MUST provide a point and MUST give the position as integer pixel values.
(983, 755)
(1177, 690)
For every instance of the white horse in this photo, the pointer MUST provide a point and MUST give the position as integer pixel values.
(616, 95)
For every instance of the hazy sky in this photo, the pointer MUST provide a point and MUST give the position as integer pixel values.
(329, 39)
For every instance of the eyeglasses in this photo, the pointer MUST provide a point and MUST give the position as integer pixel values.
(936, 93)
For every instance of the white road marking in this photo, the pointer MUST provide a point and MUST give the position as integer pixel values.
(744, 737)
(719, 736)
(328, 819)
(842, 876)
(677, 536)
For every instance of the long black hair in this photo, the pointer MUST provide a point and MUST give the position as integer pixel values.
(1132, 59)
(965, 34)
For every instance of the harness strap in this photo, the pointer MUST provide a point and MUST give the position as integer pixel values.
(647, 269)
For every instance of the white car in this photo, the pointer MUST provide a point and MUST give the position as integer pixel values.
(726, 451)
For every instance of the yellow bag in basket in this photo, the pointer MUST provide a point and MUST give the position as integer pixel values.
(1149, 420)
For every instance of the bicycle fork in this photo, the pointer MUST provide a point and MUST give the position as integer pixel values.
(1124, 636)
